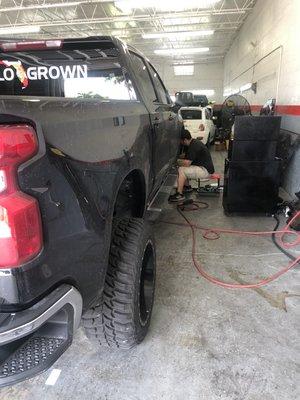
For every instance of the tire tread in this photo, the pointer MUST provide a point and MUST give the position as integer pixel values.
(111, 322)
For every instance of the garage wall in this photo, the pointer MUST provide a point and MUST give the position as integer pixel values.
(206, 76)
(266, 51)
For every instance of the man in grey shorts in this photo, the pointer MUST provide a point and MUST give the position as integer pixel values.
(197, 164)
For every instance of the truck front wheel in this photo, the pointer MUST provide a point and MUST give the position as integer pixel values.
(123, 317)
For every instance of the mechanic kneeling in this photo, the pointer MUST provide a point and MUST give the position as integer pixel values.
(197, 164)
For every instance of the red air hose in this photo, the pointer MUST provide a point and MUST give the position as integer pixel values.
(214, 233)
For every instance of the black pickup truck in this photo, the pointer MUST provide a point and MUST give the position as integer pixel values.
(88, 134)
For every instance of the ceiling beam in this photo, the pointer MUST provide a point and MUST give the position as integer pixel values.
(143, 17)
(81, 21)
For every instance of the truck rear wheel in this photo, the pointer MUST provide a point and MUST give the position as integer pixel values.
(123, 318)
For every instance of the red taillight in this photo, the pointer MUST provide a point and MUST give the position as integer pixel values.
(20, 221)
(202, 127)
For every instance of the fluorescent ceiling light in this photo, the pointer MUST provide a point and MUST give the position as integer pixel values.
(120, 33)
(247, 86)
(20, 29)
(183, 70)
(183, 63)
(174, 52)
(38, 6)
(205, 92)
(164, 5)
(177, 34)
(184, 21)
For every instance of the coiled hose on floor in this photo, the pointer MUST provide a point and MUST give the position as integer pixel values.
(275, 242)
(214, 233)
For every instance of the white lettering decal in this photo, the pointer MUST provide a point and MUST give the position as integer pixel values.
(16, 69)
(82, 69)
(8, 74)
(67, 72)
(54, 72)
(31, 73)
(42, 72)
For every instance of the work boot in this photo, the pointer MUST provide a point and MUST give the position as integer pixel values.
(174, 198)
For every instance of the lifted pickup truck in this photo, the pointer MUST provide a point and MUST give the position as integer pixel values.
(87, 137)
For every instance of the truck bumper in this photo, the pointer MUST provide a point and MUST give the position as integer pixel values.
(33, 339)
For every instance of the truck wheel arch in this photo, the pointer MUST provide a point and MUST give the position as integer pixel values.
(130, 197)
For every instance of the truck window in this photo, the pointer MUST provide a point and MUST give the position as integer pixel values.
(73, 73)
(143, 74)
(102, 84)
(163, 94)
(191, 114)
(200, 100)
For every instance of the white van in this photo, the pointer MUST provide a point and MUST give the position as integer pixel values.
(198, 120)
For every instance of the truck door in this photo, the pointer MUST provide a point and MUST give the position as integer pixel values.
(161, 116)
(168, 120)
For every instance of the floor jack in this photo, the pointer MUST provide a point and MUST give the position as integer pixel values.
(212, 189)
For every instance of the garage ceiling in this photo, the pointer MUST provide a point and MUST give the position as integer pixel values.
(131, 20)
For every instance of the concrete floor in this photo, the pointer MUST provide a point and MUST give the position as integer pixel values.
(205, 342)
